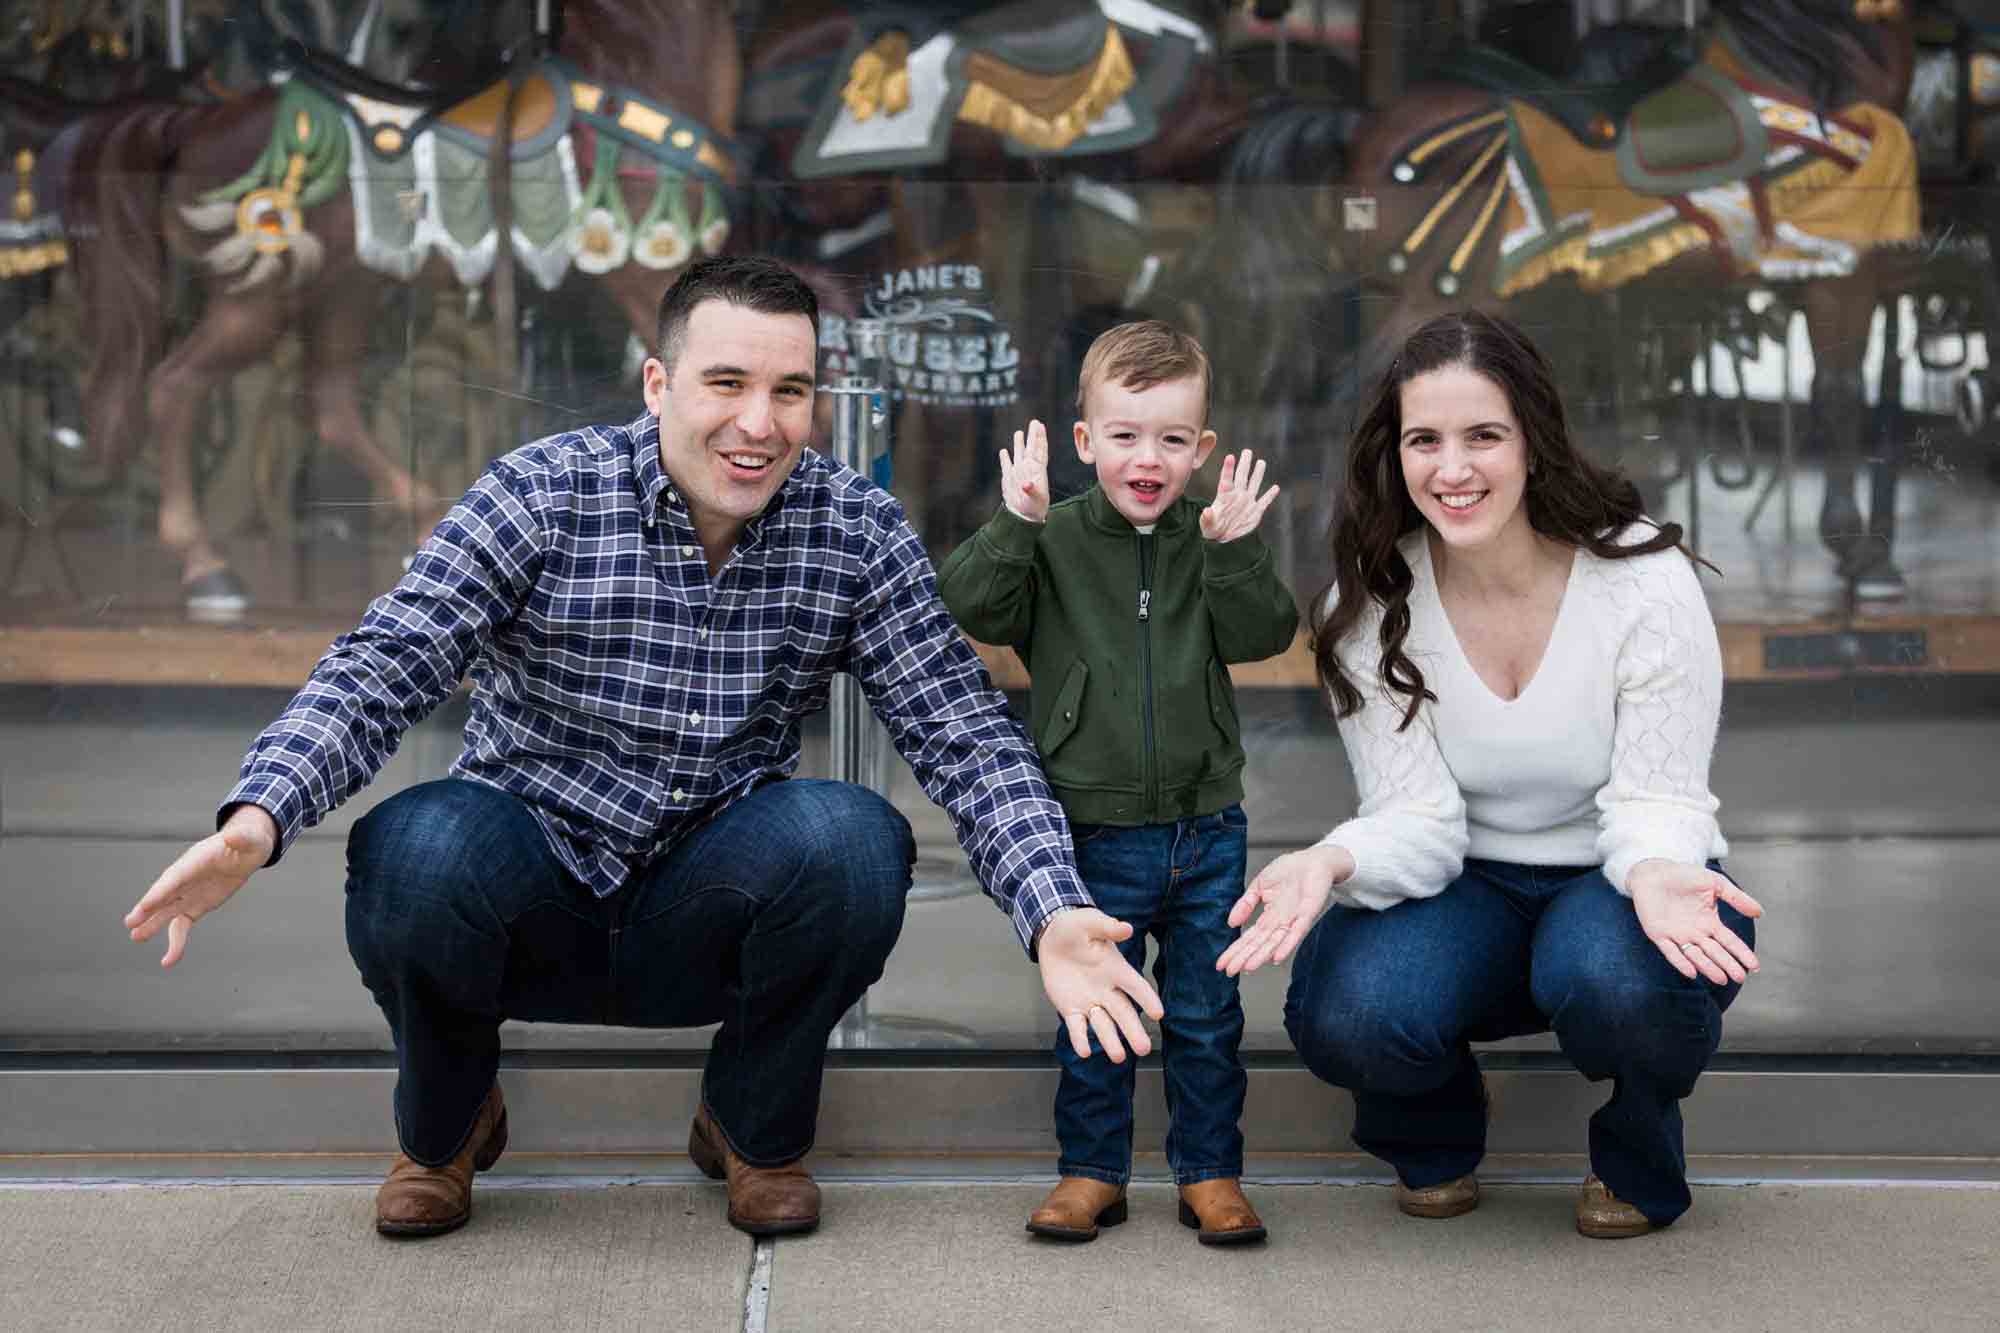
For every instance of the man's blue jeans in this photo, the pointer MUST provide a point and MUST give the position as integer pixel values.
(1385, 1003)
(1176, 882)
(772, 919)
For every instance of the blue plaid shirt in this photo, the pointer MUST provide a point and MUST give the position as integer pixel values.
(627, 697)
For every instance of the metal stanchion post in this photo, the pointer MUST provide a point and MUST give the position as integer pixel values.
(858, 749)
(856, 744)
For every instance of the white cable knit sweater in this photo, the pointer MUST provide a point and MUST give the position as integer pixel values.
(1602, 759)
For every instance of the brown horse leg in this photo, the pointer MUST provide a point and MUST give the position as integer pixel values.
(1837, 316)
(335, 343)
(1877, 577)
(233, 333)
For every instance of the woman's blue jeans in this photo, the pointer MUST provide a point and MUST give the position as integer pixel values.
(1176, 882)
(1385, 1004)
(772, 919)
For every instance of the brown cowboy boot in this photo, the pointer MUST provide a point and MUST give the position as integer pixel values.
(1077, 1207)
(419, 1200)
(1602, 1215)
(1447, 1200)
(763, 1200)
(1218, 1209)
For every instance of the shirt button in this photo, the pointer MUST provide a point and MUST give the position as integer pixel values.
(680, 794)
(694, 718)
(687, 551)
(701, 634)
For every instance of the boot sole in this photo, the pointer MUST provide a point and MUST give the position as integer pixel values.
(1112, 1215)
(489, 1153)
(1240, 1236)
(1619, 1231)
(1413, 1207)
(1437, 1210)
(797, 1228)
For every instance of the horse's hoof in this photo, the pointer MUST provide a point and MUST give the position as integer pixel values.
(218, 595)
(1879, 581)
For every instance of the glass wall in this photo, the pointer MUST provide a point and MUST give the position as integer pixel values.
(254, 336)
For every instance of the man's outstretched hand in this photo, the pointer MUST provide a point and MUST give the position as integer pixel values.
(1092, 986)
(202, 879)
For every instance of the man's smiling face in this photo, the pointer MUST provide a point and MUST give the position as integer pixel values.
(735, 411)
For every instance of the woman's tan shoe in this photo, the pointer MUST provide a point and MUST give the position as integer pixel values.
(1602, 1215)
(1218, 1210)
(1077, 1207)
(1447, 1200)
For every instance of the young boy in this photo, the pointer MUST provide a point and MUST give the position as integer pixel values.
(1127, 603)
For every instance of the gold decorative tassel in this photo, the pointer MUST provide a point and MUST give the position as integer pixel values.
(879, 79)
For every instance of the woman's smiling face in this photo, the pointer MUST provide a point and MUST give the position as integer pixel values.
(1465, 459)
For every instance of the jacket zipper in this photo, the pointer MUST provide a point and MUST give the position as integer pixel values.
(1148, 760)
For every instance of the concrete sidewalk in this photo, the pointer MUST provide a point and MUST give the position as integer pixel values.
(569, 1254)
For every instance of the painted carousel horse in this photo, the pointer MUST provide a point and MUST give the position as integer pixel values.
(298, 205)
(959, 171)
(1769, 158)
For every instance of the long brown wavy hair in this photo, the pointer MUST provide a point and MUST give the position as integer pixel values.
(1569, 499)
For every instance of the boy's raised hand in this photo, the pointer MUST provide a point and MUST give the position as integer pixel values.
(1237, 508)
(1024, 477)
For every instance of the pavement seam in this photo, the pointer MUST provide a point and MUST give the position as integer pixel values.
(757, 1289)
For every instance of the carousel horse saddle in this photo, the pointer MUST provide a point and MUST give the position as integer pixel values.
(1700, 131)
(1594, 112)
(535, 108)
(1048, 77)
(1036, 38)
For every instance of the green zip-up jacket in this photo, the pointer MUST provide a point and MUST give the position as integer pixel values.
(1127, 637)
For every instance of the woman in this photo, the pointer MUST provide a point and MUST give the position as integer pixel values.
(1527, 682)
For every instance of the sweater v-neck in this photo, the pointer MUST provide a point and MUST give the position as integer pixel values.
(1458, 647)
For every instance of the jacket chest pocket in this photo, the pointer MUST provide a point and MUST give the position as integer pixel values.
(1067, 710)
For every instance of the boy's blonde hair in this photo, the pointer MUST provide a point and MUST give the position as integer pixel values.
(1140, 355)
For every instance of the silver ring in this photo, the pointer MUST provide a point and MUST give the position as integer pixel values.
(1693, 946)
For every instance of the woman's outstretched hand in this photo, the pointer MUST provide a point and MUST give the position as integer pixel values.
(1676, 906)
(1293, 891)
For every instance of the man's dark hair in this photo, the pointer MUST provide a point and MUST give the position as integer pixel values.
(751, 281)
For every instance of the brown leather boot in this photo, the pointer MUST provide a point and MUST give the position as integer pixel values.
(1602, 1215)
(763, 1200)
(419, 1200)
(1219, 1211)
(1447, 1200)
(1077, 1207)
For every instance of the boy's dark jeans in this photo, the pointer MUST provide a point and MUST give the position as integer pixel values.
(1385, 1004)
(772, 918)
(1176, 882)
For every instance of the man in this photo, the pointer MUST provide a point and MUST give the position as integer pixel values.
(648, 612)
